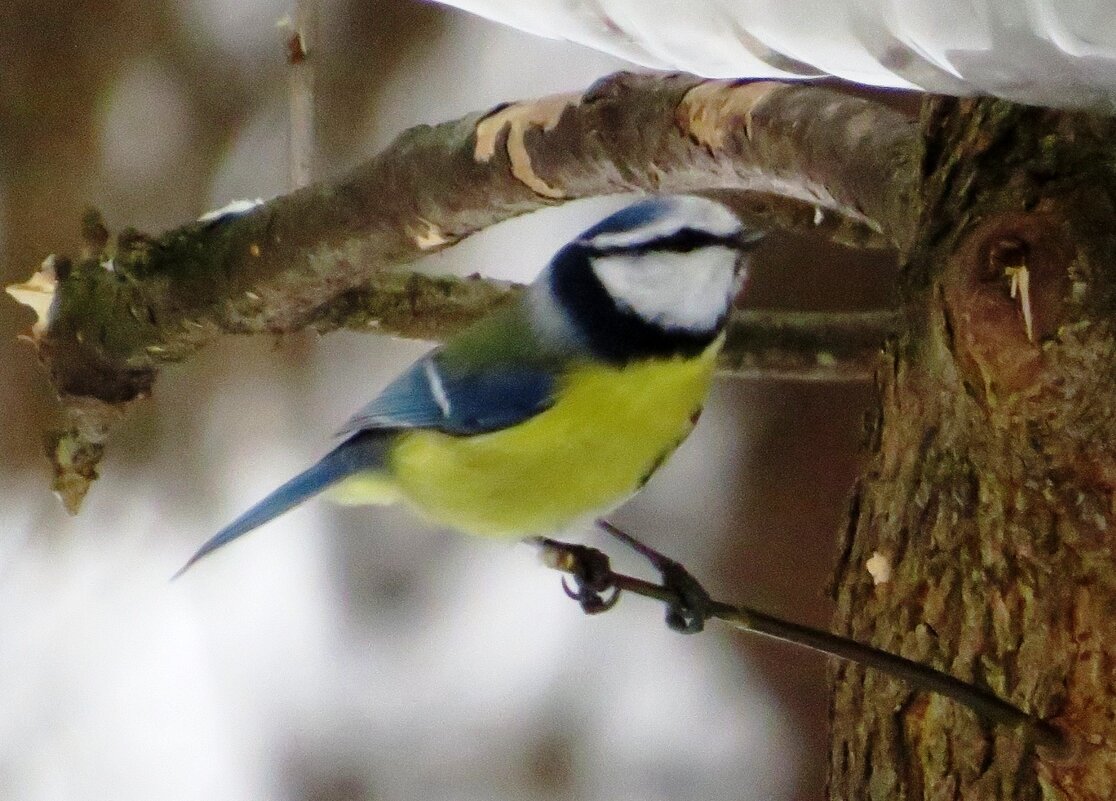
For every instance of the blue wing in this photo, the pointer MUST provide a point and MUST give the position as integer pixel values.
(432, 394)
(455, 396)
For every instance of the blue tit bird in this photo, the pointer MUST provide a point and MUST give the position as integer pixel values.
(557, 407)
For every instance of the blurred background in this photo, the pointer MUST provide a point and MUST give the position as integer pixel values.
(348, 654)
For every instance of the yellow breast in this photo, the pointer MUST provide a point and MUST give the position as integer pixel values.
(606, 433)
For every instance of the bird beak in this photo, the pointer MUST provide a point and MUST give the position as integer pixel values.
(749, 238)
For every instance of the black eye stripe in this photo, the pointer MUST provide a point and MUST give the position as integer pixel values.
(684, 240)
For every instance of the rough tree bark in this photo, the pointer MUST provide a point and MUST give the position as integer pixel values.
(988, 497)
(990, 487)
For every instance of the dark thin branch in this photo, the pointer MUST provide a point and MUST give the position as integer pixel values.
(761, 344)
(806, 346)
(592, 566)
(415, 305)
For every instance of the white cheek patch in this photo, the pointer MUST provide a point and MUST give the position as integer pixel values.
(672, 290)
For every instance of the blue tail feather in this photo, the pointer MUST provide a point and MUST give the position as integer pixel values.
(363, 451)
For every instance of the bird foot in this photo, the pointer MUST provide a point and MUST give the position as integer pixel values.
(692, 605)
(593, 585)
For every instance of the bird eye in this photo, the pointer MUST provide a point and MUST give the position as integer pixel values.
(686, 240)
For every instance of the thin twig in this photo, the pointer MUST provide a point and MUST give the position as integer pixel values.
(572, 560)
(300, 43)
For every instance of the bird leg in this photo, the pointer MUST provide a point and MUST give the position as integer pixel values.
(692, 605)
(688, 605)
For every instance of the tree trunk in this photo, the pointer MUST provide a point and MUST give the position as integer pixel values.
(988, 495)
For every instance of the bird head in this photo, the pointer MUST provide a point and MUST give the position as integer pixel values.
(656, 278)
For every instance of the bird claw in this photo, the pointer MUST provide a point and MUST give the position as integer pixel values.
(692, 605)
(686, 615)
(593, 585)
(591, 601)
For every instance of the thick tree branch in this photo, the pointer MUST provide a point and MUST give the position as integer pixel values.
(115, 317)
